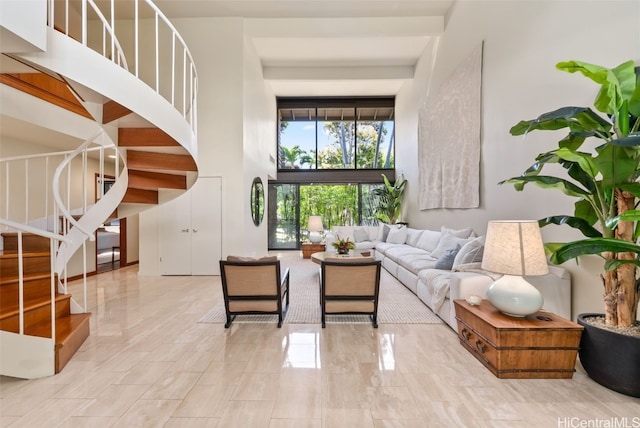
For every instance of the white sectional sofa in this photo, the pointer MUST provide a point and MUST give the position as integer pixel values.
(439, 266)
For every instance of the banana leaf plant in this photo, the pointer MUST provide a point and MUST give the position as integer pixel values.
(603, 180)
(390, 199)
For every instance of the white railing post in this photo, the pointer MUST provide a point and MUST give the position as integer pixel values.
(20, 284)
(52, 253)
(84, 23)
(136, 35)
(26, 191)
(173, 68)
(157, 55)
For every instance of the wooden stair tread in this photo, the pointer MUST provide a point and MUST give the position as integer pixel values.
(65, 326)
(26, 254)
(12, 310)
(12, 279)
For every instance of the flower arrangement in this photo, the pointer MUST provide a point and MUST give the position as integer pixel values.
(343, 245)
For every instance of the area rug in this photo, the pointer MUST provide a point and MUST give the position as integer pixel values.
(396, 305)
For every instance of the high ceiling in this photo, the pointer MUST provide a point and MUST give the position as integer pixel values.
(367, 48)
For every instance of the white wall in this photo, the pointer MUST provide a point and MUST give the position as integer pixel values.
(259, 137)
(236, 133)
(523, 41)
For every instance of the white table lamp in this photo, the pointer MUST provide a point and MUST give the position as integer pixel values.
(514, 248)
(315, 227)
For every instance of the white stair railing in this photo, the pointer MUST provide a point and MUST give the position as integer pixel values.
(67, 210)
(81, 223)
(156, 48)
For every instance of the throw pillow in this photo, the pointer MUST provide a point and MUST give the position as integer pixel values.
(380, 236)
(429, 240)
(446, 261)
(397, 235)
(360, 234)
(471, 252)
(447, 242)
(459, 233)
(385, 232)
(413, 235)
(268, 259)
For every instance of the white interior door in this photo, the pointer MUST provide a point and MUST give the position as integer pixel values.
(191, 231)
(206, 226)
(175, 236)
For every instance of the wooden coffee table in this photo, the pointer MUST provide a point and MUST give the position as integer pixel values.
(333, 256)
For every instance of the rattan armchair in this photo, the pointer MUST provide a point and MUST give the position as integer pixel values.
(254, 288)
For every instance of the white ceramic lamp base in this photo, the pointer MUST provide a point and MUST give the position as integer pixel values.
(514, 296)
(315, 237)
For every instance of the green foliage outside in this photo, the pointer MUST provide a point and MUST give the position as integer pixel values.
(340, 153)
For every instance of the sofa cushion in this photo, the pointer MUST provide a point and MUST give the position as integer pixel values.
(429, 240)
(446, 261)
(413, 235)
(397, 235)
(383, 247)
(459, 233)
(417, 262)
(360, 234)
(398, 252)
(471, 252)
(447, 242)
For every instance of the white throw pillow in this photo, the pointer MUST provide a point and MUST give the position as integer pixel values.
(429, 240)
(413, 235)
(360, 234)
(447, 242)
(397, 235)
(381, 231)
(458, 233)
(471, 252)
(344, 232)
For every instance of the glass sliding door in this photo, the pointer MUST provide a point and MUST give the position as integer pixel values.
(290, 206)
(284, 212)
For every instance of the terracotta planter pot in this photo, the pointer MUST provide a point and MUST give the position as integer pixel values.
(610, 358)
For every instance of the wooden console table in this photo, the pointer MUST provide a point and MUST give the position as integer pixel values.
(539, 346)
(308, 248)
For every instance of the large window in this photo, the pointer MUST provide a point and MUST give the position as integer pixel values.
(335, 133)
(332, 153)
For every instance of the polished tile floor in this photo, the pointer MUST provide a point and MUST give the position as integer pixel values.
(148, 363)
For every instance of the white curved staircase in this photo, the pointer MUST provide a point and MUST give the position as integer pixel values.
(149, 123)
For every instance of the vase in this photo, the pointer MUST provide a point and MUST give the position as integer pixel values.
(343, 251)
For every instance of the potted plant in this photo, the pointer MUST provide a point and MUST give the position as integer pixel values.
(604, 182)
(390, 199)
(343, 245)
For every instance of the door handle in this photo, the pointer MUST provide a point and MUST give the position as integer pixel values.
(184, 230)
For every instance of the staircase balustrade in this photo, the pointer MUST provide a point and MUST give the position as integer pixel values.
(167, 48)
(46, 194)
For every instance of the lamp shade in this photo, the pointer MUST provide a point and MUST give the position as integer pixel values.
(514, 248)
(315, 224)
